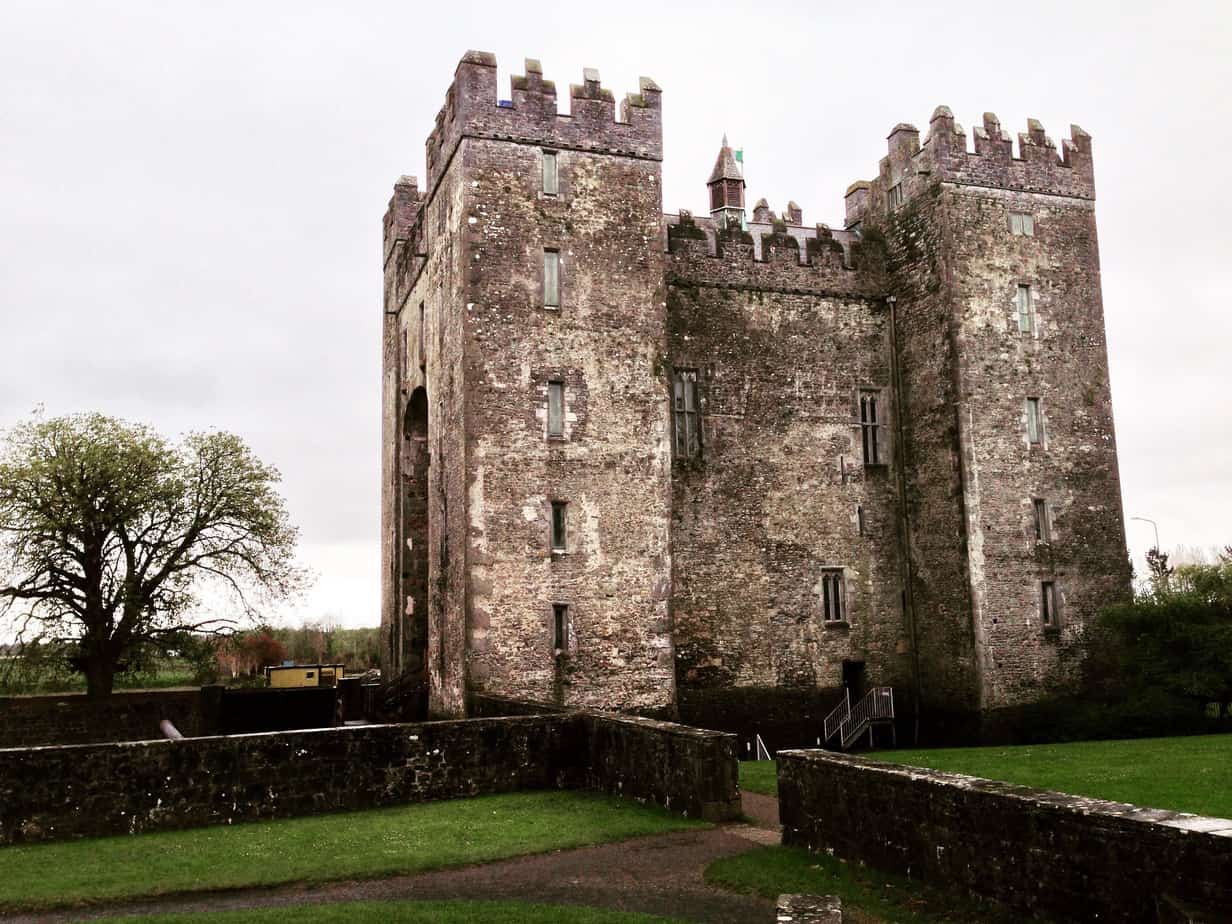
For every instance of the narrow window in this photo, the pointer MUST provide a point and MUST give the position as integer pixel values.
(684, 414)
(551, 278)
(1028, 226)
(1035, 421)
(1026, 311)
(549, 173)
(1043, 529)
(895, 197)
(558, 525)
(860, 519)
(1048, 604)
(423, 359)
(733, 192)
(556, 409)
(1022, 225)
(870, 427)
(833, 603)
(560, 627)
(716, 197)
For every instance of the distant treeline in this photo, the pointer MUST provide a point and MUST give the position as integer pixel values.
(47, 666)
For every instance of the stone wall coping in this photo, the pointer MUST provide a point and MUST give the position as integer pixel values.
(669, 728)
(1059, 801)
(284, 733)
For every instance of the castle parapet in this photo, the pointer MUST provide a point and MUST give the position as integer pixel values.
(909, 166)
(530, 116)
(1038, 168)
(402, 214)
(780, 257)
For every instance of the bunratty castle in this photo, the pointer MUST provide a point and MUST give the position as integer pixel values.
(721, 467)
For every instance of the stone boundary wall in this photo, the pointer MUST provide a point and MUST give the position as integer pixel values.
(72, 718)
(52, 793)
(1043, 853)
(683, 769)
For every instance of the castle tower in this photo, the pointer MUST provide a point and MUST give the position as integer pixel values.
(527, 323)
(1014, 528)
(726, 185)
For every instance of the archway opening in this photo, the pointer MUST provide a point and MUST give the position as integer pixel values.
(414, 466)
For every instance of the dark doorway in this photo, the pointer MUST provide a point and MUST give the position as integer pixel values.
(853, 679)
(411, 644)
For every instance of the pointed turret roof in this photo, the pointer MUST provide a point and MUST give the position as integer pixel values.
(726, 167)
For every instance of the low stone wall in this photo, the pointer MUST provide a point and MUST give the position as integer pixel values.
(683, 769)
(50, 793)
(72, 718)
(1064, 857)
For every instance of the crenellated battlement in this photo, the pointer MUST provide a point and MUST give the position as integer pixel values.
(910, 165)
(403, 215)
(472, 109)
(770, 256)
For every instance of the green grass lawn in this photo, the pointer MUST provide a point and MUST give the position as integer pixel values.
(1188, 774)
(458, 912)
(759, 776)
(770, 871)
(354, 845)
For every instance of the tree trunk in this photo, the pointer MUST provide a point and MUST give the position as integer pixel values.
(100, 676)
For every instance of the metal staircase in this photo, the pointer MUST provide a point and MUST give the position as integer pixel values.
(847, 723)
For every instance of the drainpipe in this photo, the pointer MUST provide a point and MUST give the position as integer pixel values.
(901, 466)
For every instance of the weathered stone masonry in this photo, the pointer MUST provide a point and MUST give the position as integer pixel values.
(763, 554)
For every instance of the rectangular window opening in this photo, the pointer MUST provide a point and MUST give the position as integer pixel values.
(895, 196)
(870, 427)
(1043, 529)
(560, 627)
(685, 417)
(559, 509)
(833, 601)
(1048, 604)
(550, 186)
(1035, 422)
(860, 518)
(423, 353)
(551, 278)
(1026, 310)
(556, 409)
(1022, 224)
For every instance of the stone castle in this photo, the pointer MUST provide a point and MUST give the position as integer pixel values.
(720, 467)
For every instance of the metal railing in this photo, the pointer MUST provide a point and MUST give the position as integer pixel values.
(838, 715)
(876, 706)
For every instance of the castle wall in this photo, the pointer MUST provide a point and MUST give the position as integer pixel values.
(782, 351)
(425, 526)
(610, 465)
(957, 269)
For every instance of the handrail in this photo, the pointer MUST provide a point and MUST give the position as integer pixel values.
(877, 705)
(838, 715)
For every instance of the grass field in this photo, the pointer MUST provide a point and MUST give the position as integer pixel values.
(453, 912)
(759, 776)
(770, 871)
(354, 845)
(1187, 774)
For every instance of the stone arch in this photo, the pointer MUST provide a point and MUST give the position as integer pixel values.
(414, 532)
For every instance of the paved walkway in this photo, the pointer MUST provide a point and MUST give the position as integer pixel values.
(660, 874)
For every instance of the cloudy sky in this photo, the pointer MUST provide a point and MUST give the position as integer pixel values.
(191, 196)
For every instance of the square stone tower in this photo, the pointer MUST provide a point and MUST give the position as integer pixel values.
(526, 467)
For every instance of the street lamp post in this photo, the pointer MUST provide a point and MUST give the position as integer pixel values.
(1154, 524)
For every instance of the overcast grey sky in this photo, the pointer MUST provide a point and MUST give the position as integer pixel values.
(191, 199)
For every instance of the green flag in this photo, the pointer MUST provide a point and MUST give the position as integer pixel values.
(740, 155)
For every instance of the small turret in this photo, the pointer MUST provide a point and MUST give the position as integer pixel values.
(726, 186)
